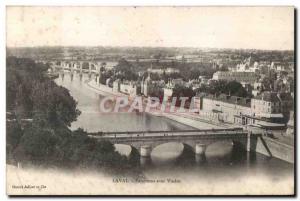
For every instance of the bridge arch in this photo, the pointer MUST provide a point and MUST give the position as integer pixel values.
(165, 148)
(85, 65)
(93, 66)
(219, 141)
(123, 149)
(195, 140)
(219, 148)
(76, 65)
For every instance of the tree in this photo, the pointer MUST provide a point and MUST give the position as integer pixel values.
(83, 151)
(166, 77)
(125, 70)
(13, 136)
(47, 140)
(55, 102)
(39, 145)
(233, 88)
(182, 91)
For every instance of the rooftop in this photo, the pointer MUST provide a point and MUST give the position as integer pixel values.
(274, 96)
(231, 99)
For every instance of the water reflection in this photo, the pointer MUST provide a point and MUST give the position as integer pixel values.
(169, 155)
(92, 120)
(170, 159)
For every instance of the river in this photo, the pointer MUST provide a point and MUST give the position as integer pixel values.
(222, 164)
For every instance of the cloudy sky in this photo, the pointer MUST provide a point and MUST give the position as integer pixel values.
(217, 27)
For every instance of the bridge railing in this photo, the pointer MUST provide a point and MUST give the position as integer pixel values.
(166, 132)
(144, 136)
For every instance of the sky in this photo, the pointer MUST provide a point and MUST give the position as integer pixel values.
(270, 28)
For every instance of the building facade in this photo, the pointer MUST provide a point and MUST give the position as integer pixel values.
(226, 108)
(242, 77)
(268, 110)
(150, 87)
(272, 106)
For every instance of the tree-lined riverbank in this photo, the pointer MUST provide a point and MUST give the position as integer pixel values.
(44, 138)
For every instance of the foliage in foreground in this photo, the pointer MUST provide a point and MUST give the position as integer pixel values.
(40, 112)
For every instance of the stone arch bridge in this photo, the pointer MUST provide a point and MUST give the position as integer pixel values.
(81, 66)
(196, 140)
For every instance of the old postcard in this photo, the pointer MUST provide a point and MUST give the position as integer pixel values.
(150, 100)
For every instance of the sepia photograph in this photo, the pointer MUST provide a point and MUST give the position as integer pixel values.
(150, 100)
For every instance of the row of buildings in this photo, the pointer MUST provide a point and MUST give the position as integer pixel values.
(260, 76)
(146, 87)
(272, 88)
(269, 110)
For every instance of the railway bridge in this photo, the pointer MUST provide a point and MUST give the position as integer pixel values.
(81, 66)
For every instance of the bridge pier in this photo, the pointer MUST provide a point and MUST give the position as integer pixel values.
(145, 161)
(200, 153)
(145, 151)
(145, 155)
(62, 64)
(200, 149)
(72, 67)
(80, 67)
(200, 159)
(97, 79)
(90, 68)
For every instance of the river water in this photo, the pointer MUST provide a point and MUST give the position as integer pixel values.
(222, 163)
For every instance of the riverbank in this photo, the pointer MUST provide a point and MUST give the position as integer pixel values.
(264, 145)
(273, 148)
(102, 89)
(194, 121)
